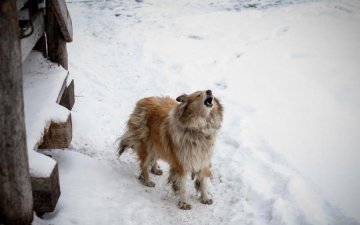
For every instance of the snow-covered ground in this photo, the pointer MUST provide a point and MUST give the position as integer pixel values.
(41, 76)
(287, 73)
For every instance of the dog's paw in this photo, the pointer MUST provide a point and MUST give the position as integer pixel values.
(184, 205)
(146, 183)
(156, 171)
(207, 201)
(149, 184)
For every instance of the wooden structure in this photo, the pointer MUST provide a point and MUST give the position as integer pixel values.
(43, 25)
(46, 192)
(58, 135)
(15, 186)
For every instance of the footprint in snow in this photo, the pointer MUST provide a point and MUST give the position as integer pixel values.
(238, 55)
(232, 142)
(195, 37)
(222, 85)
(281, 31)
(343, 8)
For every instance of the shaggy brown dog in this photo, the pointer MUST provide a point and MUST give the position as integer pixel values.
(181, 134)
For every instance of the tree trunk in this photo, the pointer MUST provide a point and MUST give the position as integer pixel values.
(16, 203)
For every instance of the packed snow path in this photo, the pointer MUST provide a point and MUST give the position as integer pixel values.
(246, 52)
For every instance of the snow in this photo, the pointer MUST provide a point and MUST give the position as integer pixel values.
(42, 82)
(287, 74)
(40, 165)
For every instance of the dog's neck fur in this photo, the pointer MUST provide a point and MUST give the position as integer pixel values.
(197, 138)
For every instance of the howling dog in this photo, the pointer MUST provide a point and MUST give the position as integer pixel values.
(180, 132)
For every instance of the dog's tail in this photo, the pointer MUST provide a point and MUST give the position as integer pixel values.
(124, 143)
(131, 139)
(136, 130)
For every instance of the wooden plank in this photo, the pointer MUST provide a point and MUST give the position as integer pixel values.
(20, 4)
(16, 205)
(62, 90)
(63, 18)
(57, 51)
(58, 135)
(46, 192)
(68, 97)
(27, 44)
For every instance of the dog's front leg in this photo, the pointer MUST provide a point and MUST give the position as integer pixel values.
(201, 186)
(180, 183)
(177, 178)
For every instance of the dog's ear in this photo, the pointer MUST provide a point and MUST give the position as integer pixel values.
(181, 98)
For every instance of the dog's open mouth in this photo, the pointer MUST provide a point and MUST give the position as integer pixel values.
(208, 102)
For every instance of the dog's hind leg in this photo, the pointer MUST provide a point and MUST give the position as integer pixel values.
(145, 161)
(201, 186)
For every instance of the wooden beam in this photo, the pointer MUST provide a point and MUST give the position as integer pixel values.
(20, 4)
(68, 96)
(63, 19)
(46, 192)
(58, 135)
(16, 204)
(62, 90)
(57, 51)
(27, 44)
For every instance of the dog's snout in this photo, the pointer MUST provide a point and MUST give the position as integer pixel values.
(209, 98)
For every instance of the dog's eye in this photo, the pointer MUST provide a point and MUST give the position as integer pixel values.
(198, 96)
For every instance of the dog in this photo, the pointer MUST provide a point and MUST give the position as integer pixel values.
(180, 132)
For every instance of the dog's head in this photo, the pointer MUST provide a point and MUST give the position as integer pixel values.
(199, 108)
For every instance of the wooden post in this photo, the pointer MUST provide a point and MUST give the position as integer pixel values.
(56, 43)
(16, 203)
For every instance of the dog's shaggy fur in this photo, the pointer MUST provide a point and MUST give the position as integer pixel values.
(182, 134)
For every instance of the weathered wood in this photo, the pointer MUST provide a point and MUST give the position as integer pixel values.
(62, 90)
(28, 43)
(20, 4)
(68, 97)
(63, 19)
(46, 191)
(58, 135)
(56, 43)
(16, 204)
